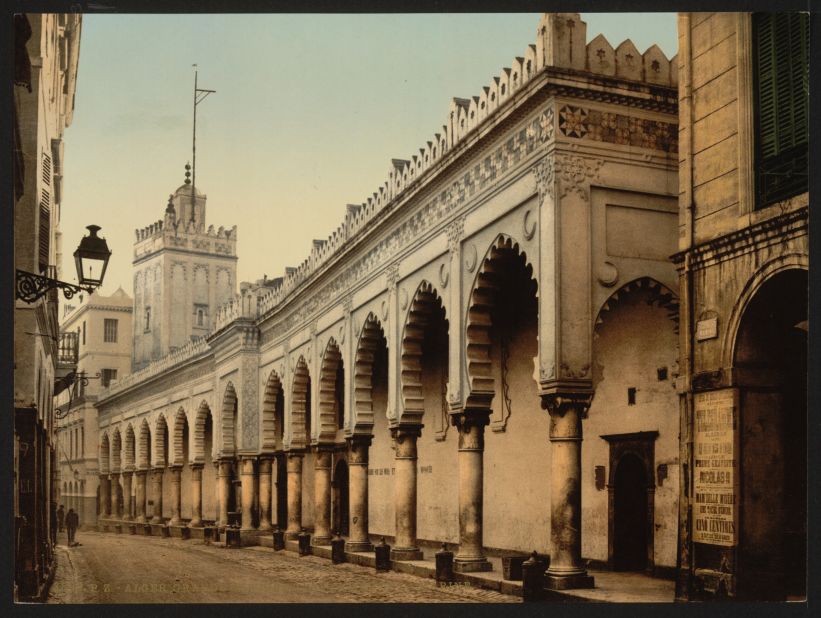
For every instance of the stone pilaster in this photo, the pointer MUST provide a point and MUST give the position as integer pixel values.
(247, 483)
(115, 502)
(196, 495)
(176, 495)
(471, 426)
(358, 447)
(294, 494)
(139, 495)
(322, 497)
(265, 493)
(127, 506)
(405, 496)
(156, 482)
(566, 413)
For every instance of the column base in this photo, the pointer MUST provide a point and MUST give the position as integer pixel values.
(359, 546)
(406, 553)
(471, 565)
(265, 527)
(292, 535)
(321, 540)
(568, 582)
(175, 521)
(195, 523)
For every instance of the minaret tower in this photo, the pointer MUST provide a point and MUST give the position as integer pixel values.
(183, 271)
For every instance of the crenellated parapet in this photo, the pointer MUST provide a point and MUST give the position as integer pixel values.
(169, 233)
(193, 349)
(561, 48)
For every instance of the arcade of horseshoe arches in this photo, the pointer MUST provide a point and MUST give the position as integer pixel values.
(483, 353)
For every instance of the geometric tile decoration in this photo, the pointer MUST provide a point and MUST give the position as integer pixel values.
(602, 126)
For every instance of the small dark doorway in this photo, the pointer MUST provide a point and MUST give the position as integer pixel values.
(631, 493)
(340, 499)
(630, 515)
(282, 492)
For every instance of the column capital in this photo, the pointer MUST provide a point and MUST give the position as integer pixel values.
(405, 438)
(175, 467)
(323, 459)
(358, 446)
(196, 465)
(467, 418)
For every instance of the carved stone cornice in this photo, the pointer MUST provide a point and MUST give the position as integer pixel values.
(755, 237)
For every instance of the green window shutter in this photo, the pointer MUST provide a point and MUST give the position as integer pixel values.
(781, 57)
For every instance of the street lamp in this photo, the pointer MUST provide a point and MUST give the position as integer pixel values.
(91, 259)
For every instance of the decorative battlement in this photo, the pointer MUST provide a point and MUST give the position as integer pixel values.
(185, 232)
(190, 350)
(560, 44)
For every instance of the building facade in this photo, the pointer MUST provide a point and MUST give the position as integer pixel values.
(485, 352)
(46, 59)
(743, 261)
(102, 328)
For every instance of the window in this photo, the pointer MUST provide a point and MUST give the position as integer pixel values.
(82, 441)
(110, 331)
(84, 332)
(781, 77)
(200, 313)
(107, 375)
(147, 319)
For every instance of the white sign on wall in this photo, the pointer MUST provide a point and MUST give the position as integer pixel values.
(715, 467)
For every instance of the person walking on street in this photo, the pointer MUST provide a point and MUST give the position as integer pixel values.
(72, 522)
(61, 518)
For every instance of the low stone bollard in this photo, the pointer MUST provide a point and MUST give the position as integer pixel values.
(232, 538)
(337, 549)
(383, 556)
(118, 528)
(186, 533)
(132, 529)
(533, 578)
(165, 532)
(147, 529)
(304, 540)
(279, 539)
(444, 566)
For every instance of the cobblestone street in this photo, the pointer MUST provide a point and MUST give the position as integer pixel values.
(110, 568)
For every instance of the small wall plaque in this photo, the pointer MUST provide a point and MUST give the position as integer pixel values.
(707, 329)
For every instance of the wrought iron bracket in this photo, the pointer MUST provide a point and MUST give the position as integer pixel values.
(30, 287)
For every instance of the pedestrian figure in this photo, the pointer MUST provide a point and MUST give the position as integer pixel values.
(72, 521)
(61, 518)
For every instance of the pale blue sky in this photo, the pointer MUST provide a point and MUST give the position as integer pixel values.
(309, 110)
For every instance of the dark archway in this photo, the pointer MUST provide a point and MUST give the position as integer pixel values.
(341, 502)
(630, 515)
(771, 369)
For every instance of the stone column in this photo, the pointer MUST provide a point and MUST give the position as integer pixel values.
(265, 493)
(156, 478)
(405, 493)
(471, 426)
(115, 502)
(294, 494)
(105, 496)
(127, 496)
(224, 483)
(217, 493)
(140, 496)
(566, 413)
(176, 495)
(358, 493)
(322, 497)
(247, 482)
(196, 496)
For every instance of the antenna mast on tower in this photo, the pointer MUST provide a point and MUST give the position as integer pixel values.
(199, 95)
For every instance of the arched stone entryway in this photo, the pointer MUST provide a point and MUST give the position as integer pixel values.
(770, 367)
(506, 508)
